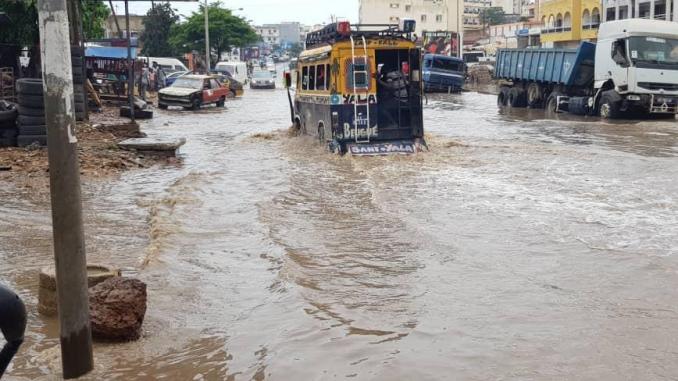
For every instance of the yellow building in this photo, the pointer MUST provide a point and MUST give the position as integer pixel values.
(567, 22)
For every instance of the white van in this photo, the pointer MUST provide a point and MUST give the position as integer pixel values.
(168, 64)
(238, 70)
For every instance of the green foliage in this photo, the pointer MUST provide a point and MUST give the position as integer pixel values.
(226, 31)
(158, 24)
(22, 29)
(94, 14)
(492, 15)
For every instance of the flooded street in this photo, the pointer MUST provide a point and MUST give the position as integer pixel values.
(519, 247)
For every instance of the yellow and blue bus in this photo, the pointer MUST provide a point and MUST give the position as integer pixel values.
(359, 89)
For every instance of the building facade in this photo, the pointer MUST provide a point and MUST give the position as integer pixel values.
(289, 33)
(567, 22)
(646, 9)
(430, 15)
(472, 12)
(269, 33)
(136, 26)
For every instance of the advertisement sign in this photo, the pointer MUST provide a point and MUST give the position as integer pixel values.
(442, 42)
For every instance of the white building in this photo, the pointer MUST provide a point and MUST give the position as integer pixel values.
(647, 9)
(472, 11)
(430, 15)
(269, 33)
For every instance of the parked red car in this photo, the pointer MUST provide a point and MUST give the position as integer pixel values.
(193, 91)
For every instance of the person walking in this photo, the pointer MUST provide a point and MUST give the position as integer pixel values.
(144, 82)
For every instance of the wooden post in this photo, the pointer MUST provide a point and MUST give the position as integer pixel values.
(67, 224)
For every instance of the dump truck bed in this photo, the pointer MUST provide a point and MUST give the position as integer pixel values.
(568, 67)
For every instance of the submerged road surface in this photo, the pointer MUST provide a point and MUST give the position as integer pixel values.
(519, 248)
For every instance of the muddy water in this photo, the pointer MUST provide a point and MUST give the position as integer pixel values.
(520, 247)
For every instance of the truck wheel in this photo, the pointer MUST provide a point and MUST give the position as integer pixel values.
(516, 98)
(534, 96)
(221, 102)
(552, 103)
(609, 108)
(502, 97)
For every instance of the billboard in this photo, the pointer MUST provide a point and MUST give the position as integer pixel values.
(441, 42)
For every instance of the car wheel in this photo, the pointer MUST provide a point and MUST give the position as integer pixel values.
(195, 104)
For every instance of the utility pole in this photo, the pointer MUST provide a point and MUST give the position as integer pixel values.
(130, 67)
(64, 173)
(207, 39)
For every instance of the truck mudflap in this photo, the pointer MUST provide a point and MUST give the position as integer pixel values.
(383, 148)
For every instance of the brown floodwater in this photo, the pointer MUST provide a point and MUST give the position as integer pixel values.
(518, 248)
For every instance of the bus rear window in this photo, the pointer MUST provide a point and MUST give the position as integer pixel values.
(361, 72)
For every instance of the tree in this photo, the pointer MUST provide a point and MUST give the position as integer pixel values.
(226, 31)
(94, 15)
(492, 16)
(22, 29)
(157, 26)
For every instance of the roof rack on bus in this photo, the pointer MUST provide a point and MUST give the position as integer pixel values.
(343, 30)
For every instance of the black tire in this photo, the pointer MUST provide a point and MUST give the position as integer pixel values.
(195, 104)
(321, 134)
(78, 78)
(502, 97)
(79, 98)
(162, 106)
(31, 111)
(29, 86)
(517, 98)
(27, 120)
(608, 108)
(7, 142)
(23, 141)
(32, 130)
(8, 116)
(534, 95)
(552, 102)
(221, 102)
(79, 107)
(8, 133)
(34, 101)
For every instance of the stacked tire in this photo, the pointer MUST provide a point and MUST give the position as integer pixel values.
(78, 63)
(31, 119)
(8, 132)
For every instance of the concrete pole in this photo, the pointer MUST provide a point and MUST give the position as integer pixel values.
(130, 67)
(207, 40)
(636, 9)
(64, 173)
(651, 9)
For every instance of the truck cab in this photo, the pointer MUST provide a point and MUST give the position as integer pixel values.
(636, 67)
(443, 73)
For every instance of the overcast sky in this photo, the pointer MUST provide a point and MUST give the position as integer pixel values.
(308, 12)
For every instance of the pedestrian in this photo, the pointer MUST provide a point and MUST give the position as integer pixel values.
(162, 78)
(153, 80)
(144, 82)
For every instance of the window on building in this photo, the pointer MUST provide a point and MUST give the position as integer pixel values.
(439, 18)
(394, 19)
(610, 14)
(395, 5)
(408, 8)
(423, 18)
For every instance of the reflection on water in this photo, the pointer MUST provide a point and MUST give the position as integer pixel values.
(520, 247)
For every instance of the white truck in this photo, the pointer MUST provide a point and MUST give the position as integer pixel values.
(631, 71)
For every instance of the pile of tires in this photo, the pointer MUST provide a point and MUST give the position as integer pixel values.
(78, 64)
(8, 132)
(31, 119)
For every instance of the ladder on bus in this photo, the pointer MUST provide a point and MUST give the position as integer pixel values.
(358, 116)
